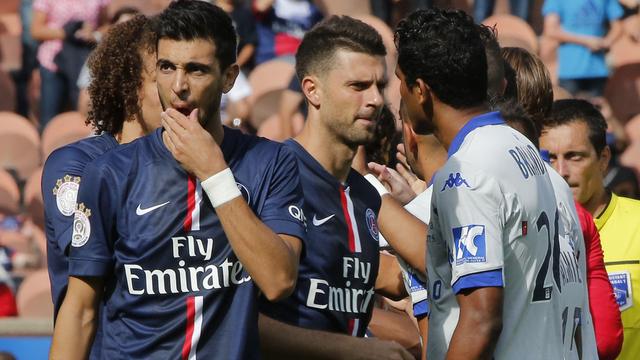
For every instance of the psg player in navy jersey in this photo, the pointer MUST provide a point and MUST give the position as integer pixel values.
(125, 106)
(341, 67)
(178, 268)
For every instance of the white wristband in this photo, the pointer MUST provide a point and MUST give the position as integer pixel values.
(373, 180)
(221, 187)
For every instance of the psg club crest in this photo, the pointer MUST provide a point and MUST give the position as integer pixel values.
(66, 193)
(621, 282)
(372, 225)
(81, 226)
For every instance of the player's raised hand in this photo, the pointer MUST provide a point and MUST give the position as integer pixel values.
(191, 145)
(394, 182)
(404, 169)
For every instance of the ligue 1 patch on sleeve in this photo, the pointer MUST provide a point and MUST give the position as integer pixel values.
(81, 226)
(66, 193)
(621, 283)
(470, 244)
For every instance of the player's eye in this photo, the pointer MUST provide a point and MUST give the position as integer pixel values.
(165, 67)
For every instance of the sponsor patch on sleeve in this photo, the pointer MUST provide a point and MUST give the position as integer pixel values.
(621, 283)
(470, 244)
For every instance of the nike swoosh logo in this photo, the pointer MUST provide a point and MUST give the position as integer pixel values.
(317, 222)
(140, 211)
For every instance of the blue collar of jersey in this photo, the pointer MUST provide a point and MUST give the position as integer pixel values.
(303, 155)
(491, 118)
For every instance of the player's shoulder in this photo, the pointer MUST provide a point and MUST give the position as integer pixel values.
(362, 188)
(72, 158)
(254, 148)
(629, 204)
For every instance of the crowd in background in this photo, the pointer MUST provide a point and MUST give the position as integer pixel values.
(57, 37)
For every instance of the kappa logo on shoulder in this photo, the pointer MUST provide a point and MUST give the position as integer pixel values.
(454, 182)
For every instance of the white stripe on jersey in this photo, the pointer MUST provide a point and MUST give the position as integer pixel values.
(354, 223)
(195, 215)
(197, 325)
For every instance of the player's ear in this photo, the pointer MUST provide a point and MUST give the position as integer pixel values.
(423, 92)
(409, 138)
(310, 90)
(229, 77)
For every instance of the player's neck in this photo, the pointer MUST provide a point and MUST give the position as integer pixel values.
(449, 121)
(131, 130)
(334, 156)
(431, 156)
(597, 204)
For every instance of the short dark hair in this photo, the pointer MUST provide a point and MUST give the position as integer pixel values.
(320, 44)
(516, 117)
(567, 111)
(528, 83)
(116, 67)
(444, 49)
(495, 64)
(194, 19)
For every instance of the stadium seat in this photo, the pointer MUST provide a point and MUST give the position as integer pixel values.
(8, 91)
(560, 93)
(33, 202)
(34, 296)
(9, 194)
(10, 45)
(271, 75)
(147, 7)
(341, 7)
(632, 129)
(19, 145)
(623, 91)
(9, 6)
(64, 129)
(513, 31)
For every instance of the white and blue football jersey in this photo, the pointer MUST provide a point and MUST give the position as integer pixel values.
(174, 289)
(495, 222)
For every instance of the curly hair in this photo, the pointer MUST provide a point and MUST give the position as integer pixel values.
(444, 49)
(116, 68)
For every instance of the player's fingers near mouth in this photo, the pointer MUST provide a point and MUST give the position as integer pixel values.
(177, 120)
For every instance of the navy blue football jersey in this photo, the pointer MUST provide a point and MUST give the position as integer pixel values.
(338, 270)
(174, 287)
(61, 178)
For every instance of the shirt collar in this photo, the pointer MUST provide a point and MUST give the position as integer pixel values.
(491, 118)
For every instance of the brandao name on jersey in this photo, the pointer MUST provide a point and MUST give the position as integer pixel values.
(174, 287)
(495, 222)
(339, 267)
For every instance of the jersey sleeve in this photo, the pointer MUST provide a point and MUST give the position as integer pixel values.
(614, 10)
(61, 178)
(470, 220)
(91, 251)
(282, 208)
(551, 7)
(602, 304)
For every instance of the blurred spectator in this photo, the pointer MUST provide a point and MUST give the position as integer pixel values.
(7, 288)
(482, 9)
(245, 25)
(281, 24)
(74, 23)
(383, 9)
(586, 29)
(84, 79)
(29, 62)
(234, 105)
